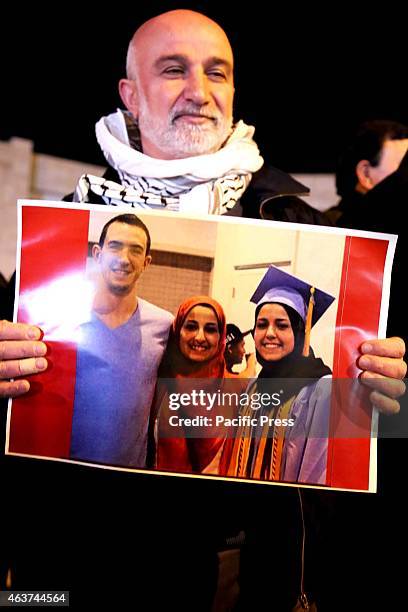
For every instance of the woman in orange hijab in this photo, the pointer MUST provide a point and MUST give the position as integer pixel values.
(195, 351)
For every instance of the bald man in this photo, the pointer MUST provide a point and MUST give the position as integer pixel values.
(176, 147)
(180, 85)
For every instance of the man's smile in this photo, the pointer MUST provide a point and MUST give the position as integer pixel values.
(121, 272)
(199, 119)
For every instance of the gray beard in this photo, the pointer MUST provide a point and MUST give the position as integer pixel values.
(184, 140)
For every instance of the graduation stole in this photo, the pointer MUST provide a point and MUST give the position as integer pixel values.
(259, 457)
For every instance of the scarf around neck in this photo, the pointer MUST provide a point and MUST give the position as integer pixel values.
(298, 372)
(205, 184)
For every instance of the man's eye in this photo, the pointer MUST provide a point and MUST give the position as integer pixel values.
(218, 75)
(174, 70)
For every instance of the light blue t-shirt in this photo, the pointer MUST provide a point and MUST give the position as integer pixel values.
(115, 380)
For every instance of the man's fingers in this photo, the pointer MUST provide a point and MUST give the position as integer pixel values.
(391, 387)
(386, 366)
(14, 389)
(384, 404)
(18, 331)
(16, 349)
(384, 369)
(21, 354)
(389, 347)
(22, 367)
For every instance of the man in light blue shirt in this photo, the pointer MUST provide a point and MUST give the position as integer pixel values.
(119, 352)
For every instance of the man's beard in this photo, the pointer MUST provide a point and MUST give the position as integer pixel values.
(179, 139)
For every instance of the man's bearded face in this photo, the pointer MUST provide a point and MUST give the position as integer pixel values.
(182, 72)
(188, 130)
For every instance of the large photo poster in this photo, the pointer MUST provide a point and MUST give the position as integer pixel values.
(212, 347)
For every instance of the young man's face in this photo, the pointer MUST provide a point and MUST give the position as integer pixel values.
(184, 89)
(236, 352)
(122, 258)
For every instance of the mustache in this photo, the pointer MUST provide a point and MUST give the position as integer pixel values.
(194, 110)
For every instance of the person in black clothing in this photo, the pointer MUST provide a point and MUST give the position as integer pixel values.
(374, 153)
(234, 353)
(3, 295)
(117, 538)
(372, 180)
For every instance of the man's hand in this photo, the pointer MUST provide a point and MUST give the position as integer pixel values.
(383, 370)
(21, 353)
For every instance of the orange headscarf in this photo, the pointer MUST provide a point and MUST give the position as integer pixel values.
(175, 364)
(182, 454)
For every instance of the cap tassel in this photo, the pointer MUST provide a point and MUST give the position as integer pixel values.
(308, 324)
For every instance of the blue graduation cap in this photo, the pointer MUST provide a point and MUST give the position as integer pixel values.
(308, 301)
(282, 287)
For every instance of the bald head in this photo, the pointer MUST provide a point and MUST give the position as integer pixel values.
(179, 84)
(171, 24)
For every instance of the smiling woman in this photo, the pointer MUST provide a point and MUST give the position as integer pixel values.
(273, 335)
(200, 335)
(195, 351)
(197, 341)
(286, 309)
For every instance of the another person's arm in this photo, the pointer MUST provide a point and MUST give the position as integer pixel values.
(250, 369)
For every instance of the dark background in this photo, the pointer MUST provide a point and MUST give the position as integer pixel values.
(305, 77)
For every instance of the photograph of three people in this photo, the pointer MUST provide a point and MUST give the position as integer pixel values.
(213, 347)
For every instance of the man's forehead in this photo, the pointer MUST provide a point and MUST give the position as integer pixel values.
(124, 232)
(182, 33)
(395, 147)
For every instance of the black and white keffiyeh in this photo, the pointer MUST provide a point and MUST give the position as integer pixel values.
(207, 184)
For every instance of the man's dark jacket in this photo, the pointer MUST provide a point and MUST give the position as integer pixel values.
(111, 536)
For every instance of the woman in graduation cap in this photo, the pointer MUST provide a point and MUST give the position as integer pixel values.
(286, 309)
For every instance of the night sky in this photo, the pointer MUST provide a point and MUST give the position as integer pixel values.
(305, 77)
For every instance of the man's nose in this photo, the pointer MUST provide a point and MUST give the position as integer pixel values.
(124, 255)
(196, 88)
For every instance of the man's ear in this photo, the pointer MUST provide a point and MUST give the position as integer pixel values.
(363, 172)
(147, 261)
(128, 94)
(96, 251)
